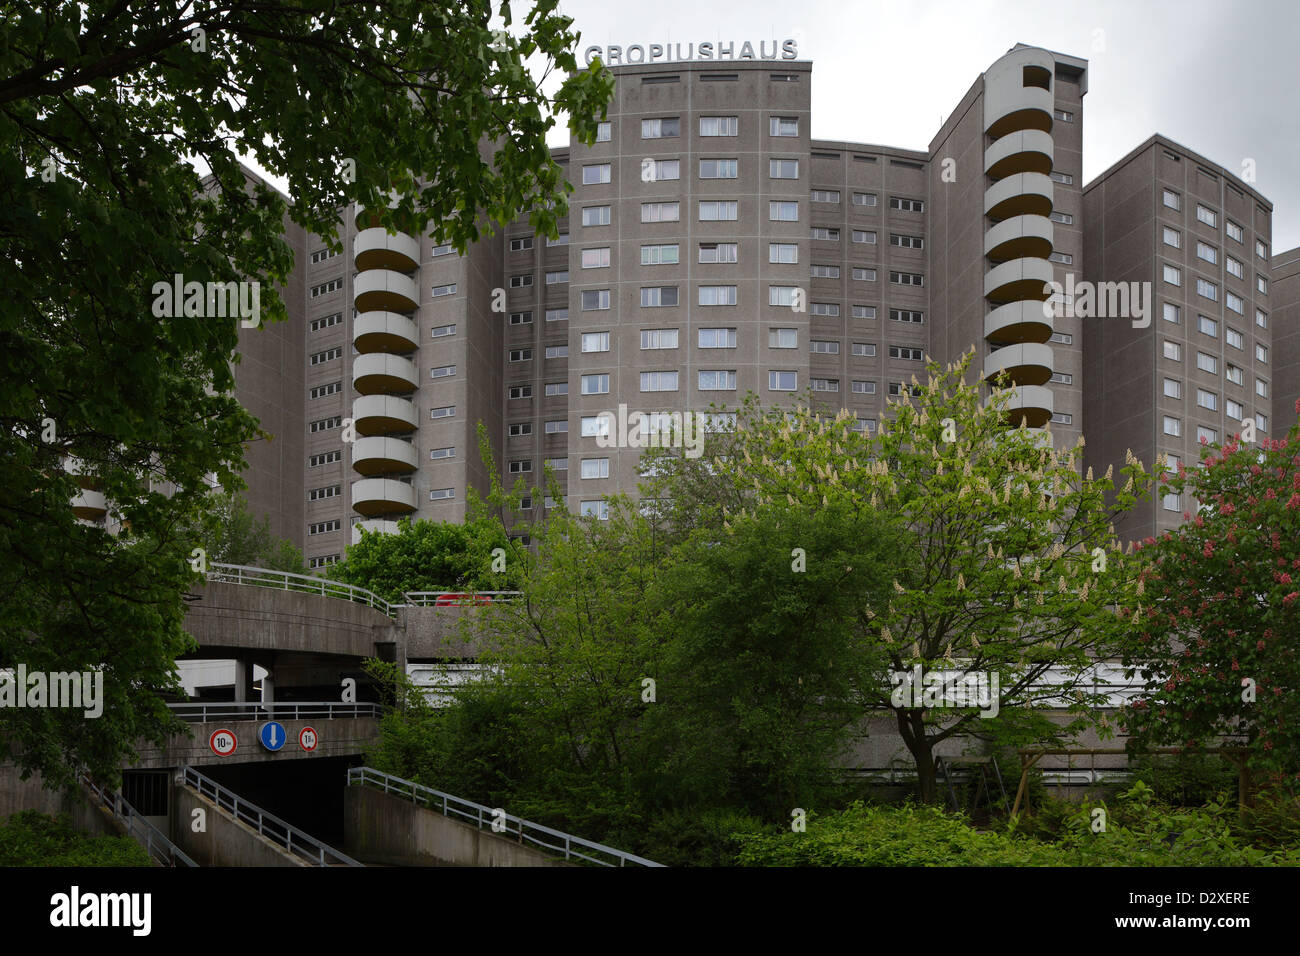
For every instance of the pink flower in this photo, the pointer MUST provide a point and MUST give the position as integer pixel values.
(1259, 645)
(1290, 598)
(1228, 507)
(1284, 578)
(1293, 502)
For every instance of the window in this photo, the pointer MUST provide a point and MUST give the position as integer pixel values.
(864, 275)
(594, 175)
(825, 385)
(1064, 338)
(1171, 502)
(782, 381)
(1173, 351)
(443, 249)
(866, 349)
(442, 494)
(783, 168)
(784, 126)
(595, 385)
(557, 351)
(661, 128)
(450, 288)
(592, 259)
(864, 388)
(560, 315)
(1063, 115)
(1062, 378)
(1206, 215)
(825, 346)
(1234, 267)
(1172, 200)
(1261, 283)
(864, 199)
(595, 299)
(1261, 318)
(719, 125)
(826, 195)
(1172, 275)
(324, 459)
(660, 170)
(1261, 353)
(660, 212)
(324, 288)
(594, 509)
(716, 211)
(658, 296)
(717, 380)
(717, 338)
(1062, 217)
(329, 355)
(322, 255)
(1233, 337)
(1173, 238)
(717, 295)
(1261, 249)
(521, 355)
(862, 235)
(595, 468)
(521, 318)
(1234, 231)
(903, 352)
(516, 282)
(1207, 399)
(1206, 436)
(907, 315)
(519, 429)
(321, 527)
(326, 322)
(783, 211)
(595, 215)
(898, 388)
(561, 239)
(719, 168)
(782, 252)
(519, 245)
(604, 132)
(556, 388)
(558, 277)
(1062, 418)
(1173, 426)
(1207, 289)
(1233, 374)
(1171, 313)
(1207, 325)
(443, 411)
(1236, 411)
(663, 255)
(437, 454)
(323, 562)
(825, 233)
(718, 251)
(557, 426)
(320, 391)
(825, 272)
(1261, 388)
(863, 311)
(658, 338)
(595, 342)
(658, 381)
(783, 338)
(1207, 363)
(1261, 421)
(825, 308)
(906, 242)
(521, 466)
(1207, 252)
(1063, 178)
(907, 278)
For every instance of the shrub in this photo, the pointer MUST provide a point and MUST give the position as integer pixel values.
(31, 838)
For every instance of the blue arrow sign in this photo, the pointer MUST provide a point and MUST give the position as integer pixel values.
(272, 735)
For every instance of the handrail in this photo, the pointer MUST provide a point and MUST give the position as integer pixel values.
(516, 826)
(456, 598)
(287, 710)
(155, 843)
(267, 824)
(288, 581)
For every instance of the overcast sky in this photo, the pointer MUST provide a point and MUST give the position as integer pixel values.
(1222, 78)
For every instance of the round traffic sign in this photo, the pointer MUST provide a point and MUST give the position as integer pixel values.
(222, 742)
(272, 735)
(308, 739)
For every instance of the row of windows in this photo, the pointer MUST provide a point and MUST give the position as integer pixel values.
(323, 561)
(326, 321)
(324, 458)
(320, 391)
(321, 527)
(1210, 363)
(1210, 217)
(526, 318)
(666, 127)
(326, 287)
(1208, 326)
(597, 300)
(663, 254)
(328, 355)
(727, 210)
(328, 491)
(322, 254)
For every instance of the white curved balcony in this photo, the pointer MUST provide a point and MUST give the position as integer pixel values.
(383, 415)
(384, 332)
(1020, 237)
(1018, 92)
(376, 248)
(1024, 151)
(381, 373)
(375, 497)
(379, 525)
(1027, 363)
(380, 456)
(1021, 194)
(1018, 322)
(89, 505)
(384, 290)
(1018, 280)
(1030, 403)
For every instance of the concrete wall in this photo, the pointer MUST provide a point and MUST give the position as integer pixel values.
(225, 841)
(17, 795)
(1285, 323)
(384, 828)
(339, 736)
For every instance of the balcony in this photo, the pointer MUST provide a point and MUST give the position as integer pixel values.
(1021, 194)
(89, 505)
(1029, 403)
(1027, 363)
(375, 248)
(384, 332)
(385, 290)
(1018, 93)
(378, 456)
(374, 524)
(381, 373)
(383, 415)
(1017, 280)
(1020, 237)
(1018, 322)
(1024, 151)
(376, 497)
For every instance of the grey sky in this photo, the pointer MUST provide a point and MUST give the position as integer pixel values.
(1221, 78)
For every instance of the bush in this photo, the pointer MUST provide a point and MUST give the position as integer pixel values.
(31, 838)
(698, 838)
(1186, 780)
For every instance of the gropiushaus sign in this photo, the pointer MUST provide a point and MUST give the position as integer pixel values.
(679, 52)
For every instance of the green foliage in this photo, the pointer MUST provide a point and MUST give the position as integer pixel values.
(699, 837)
(106, 110)
(1186, 780)
(231, 534)
(31, 838)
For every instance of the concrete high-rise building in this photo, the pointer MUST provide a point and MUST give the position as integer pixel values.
(714, 248)
(1285, 321)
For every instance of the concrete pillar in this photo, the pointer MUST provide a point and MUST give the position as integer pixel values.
(243, 680)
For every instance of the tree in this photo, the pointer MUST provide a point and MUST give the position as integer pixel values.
(1007, 566)
(1216, 625)
(104, 110)
(231, 534)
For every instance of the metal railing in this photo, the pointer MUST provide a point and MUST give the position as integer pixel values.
(288, 581)
(296, 842)
(476, 813)
(278, 710)
(159, 848)
(457, 598)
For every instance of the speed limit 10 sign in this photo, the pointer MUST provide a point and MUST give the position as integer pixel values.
(222, 742)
